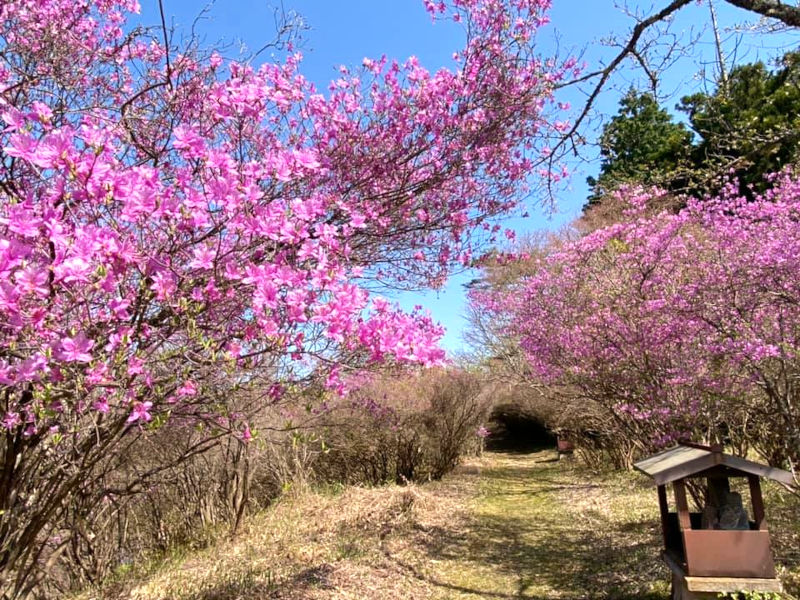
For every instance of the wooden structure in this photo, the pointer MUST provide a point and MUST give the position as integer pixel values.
(564, 447)
(708, 553)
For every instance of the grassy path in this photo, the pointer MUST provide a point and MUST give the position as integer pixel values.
(533, 527)
(500, 526)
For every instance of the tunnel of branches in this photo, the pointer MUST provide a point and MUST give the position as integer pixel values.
(513, 429)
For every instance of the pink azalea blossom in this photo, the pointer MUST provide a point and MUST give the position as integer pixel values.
(307, 159)
(217, 225)
(32, 280)
(11, 420)
(203, 258)
(76, 349)
(119, 308)
(188, 388)
(140, 412)
(101, 405)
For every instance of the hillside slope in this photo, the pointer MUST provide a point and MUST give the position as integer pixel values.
(501, 526)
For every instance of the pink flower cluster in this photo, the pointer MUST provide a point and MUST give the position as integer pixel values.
(154, 219)
(674, 321)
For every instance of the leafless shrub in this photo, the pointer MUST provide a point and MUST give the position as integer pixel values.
(405, 429)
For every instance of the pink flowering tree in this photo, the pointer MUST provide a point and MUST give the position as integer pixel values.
(176, 227)
(677, 326)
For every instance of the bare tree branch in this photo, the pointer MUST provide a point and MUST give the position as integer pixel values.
(773, 9)
(166, 42)
(630, 48)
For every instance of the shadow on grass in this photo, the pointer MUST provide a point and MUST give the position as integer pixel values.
(581, 556)
(539, 531)
(580, 565)
(296, 587)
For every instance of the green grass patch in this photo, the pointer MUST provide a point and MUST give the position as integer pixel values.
(501, 526)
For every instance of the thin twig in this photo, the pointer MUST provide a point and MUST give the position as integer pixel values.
(166, 43)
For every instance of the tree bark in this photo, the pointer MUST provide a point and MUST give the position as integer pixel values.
(774, 9)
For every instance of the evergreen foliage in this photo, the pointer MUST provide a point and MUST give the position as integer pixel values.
(641, 144)
(747, 128)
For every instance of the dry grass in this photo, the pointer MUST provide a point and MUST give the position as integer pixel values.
(309, 545)
(504, 526)
(538, 528)
(783, 521)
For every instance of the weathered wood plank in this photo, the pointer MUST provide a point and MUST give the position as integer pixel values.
(738, 584)
(721, 584)
(758, 502)
(683, 506)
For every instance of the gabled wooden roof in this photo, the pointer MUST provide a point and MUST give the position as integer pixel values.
(687, 460)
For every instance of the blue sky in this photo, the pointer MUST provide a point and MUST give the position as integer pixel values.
(345, 31)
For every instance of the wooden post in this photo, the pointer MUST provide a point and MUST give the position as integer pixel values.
(662, 504)
(684, 520)
(758, 502)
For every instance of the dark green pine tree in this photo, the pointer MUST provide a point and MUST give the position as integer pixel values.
(641, 144)
(749, 127)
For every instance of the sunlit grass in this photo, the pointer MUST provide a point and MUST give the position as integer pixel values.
(501, 526)
(538, 528)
